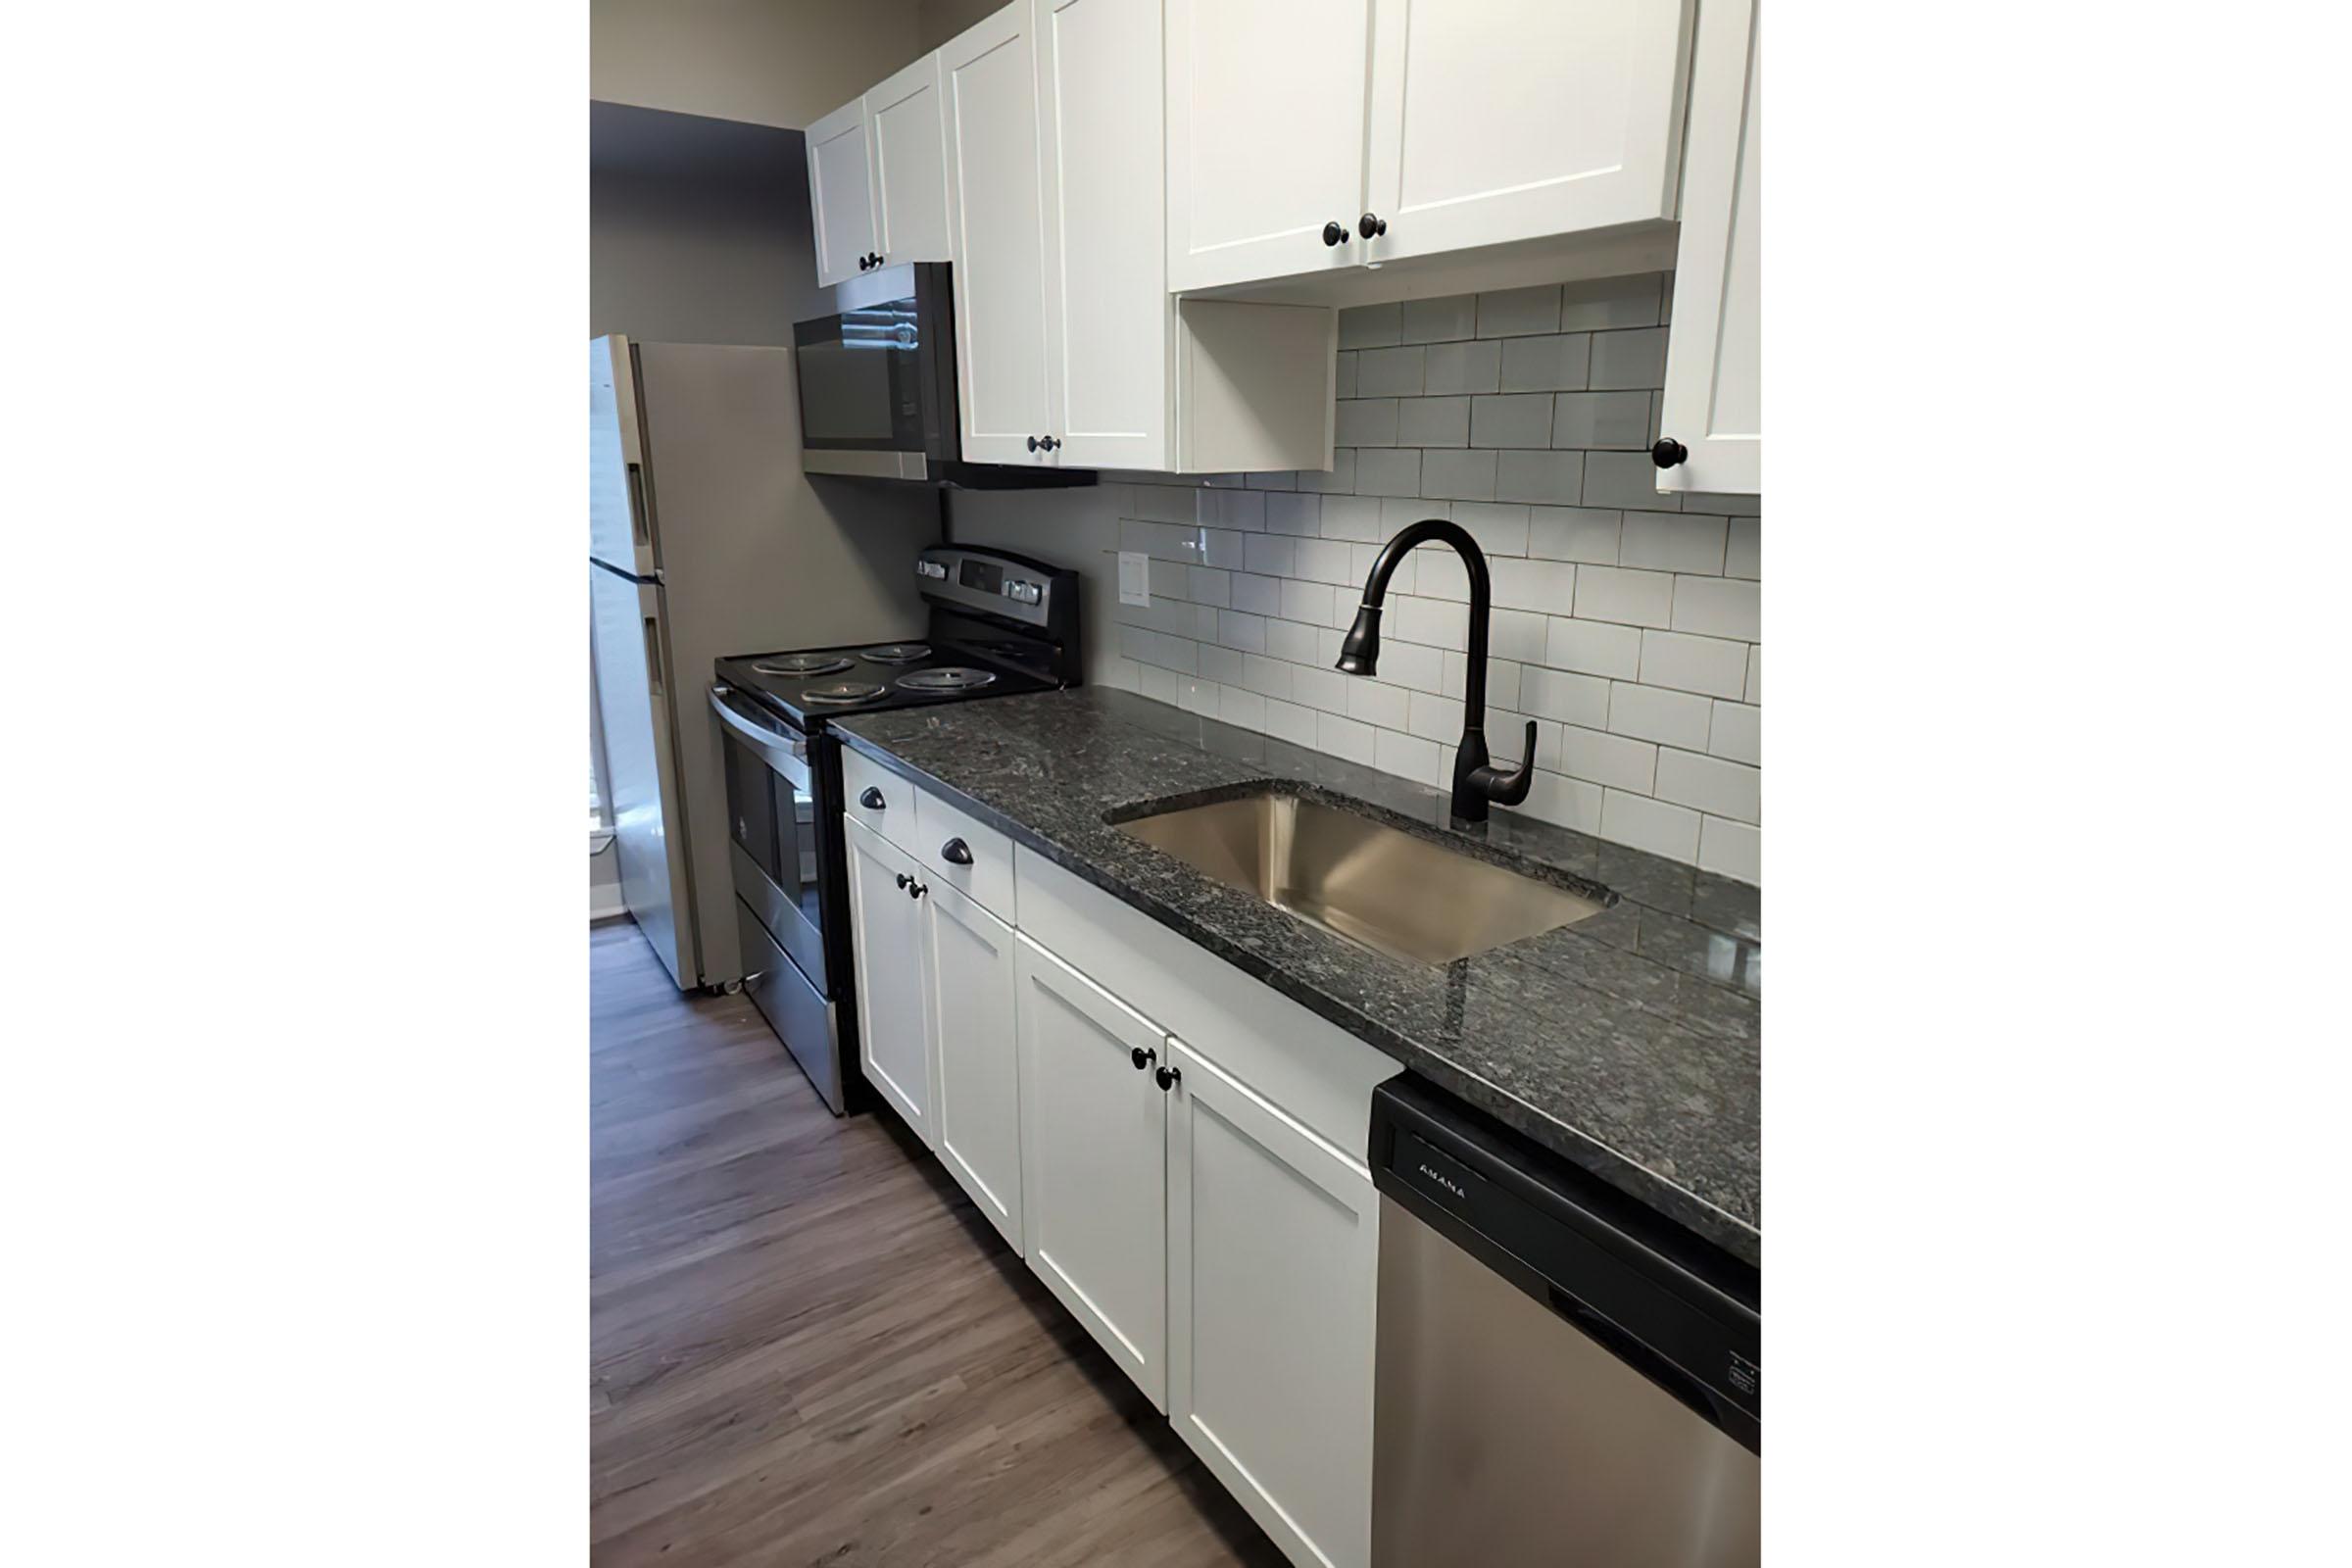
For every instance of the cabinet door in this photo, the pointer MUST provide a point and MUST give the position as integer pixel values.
(840, 195)
(1094, 1172)
(911, 171)
(1107, 315)
(1266, 108)
(994, 199)
(979, 1103)
(886, 939)
(1273, 1254)
(1714, 349)
(1506, 119)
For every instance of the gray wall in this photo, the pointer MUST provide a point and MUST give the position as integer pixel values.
(697, 229)
(763, 62)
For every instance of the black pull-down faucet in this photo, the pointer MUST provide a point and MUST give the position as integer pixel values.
(1476, 780)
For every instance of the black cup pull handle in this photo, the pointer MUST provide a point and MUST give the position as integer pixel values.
(872, 800)
(955, 852)
(1335, 232)
(1169, 1078)
(1669, 452)
(1371, 224)
(1142, 1057)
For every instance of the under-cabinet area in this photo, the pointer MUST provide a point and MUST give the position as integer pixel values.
(1177, 1151)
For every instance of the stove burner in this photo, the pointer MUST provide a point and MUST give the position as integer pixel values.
(897, 653)
(947, 678)
(841, 694)
(801, 664)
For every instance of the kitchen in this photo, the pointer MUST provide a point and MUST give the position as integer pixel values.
(1174, 965)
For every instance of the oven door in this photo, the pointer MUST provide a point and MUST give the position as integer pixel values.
(877, 391)
(774, 828)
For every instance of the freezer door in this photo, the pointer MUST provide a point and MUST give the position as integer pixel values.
(620, 518)
(633, 683)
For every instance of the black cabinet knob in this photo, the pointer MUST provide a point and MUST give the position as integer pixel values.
(866, 264)
(904, 879)
(1335, 232)
(1168, 1078)
(1370, 224)
(1668, 453)
(1142, 1057)
(915, 890)
(872, 800)
(1033, 443)
(955, 852)
(1051, 443)
(878, 259)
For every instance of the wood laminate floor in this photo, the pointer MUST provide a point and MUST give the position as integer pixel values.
(808, 1347)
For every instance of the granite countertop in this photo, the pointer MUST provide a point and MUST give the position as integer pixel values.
(1627, 1042)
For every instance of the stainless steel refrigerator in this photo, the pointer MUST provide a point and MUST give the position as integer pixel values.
(704, 539)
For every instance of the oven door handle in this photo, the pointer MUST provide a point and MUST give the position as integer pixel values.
(787, 754)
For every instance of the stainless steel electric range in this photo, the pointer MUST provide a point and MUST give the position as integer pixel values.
(1000, 624)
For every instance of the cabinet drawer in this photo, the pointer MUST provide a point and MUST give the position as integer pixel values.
(894, 817)
(988, 880)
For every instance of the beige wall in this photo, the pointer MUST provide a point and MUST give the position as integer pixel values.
(767, 62)
(938, 20)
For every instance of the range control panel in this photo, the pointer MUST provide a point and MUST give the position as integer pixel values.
(992, 582)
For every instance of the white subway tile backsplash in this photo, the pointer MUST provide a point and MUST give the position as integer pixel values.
(1710, 784)
(1455, 368)
(1589, 420)
(1273, 554)
(1616, 760)
(1687, 664)
(1632, 359)
(1673, 541)
(1570, 698)
(1601, 303)
(1652, 825)
(1649, 713)
(1561, 363)
(1433, 421)
(1388, 372)
(1388, 470)
(1513, 312)
(1743, 555)
(1295, 514)
(1291, 722)
(1367, 422)
(1369, 326)
(1625, 620)
(1456, 474)
(1440, 320)
(1738, 733)
(1732, 849)
(1344, 379)
(1257, 595)
(1523, 585)
(1551, 478)
(1511, 419)
(1719, 607)
(1594, 648)
(1631, 598)
(1574, 533)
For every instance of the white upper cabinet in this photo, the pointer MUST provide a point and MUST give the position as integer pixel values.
(1496, 120)
(995, 214)
(1714, 352)
(1105, 300)
(910, 160)
(841, 192)
(1265, 113)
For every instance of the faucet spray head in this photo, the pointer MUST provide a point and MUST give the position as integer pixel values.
(1360, 652)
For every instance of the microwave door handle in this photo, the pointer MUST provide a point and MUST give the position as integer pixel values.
(787, 754)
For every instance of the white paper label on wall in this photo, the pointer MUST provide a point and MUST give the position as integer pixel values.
(1134, 577)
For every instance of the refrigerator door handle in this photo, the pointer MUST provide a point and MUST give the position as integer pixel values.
(652, 654)
(639, 528)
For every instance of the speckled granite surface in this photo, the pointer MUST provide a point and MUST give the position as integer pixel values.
(1627, 1042)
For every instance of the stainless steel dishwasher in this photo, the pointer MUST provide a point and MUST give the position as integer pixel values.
(1563, 1378)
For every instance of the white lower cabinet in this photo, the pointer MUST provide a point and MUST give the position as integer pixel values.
(886, 940)
(1273, 1253)
(971, 979)
(1094, 1169)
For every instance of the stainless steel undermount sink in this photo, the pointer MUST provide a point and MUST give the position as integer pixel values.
(1366, 881)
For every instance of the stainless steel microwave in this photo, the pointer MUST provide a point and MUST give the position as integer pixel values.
(878, 387)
